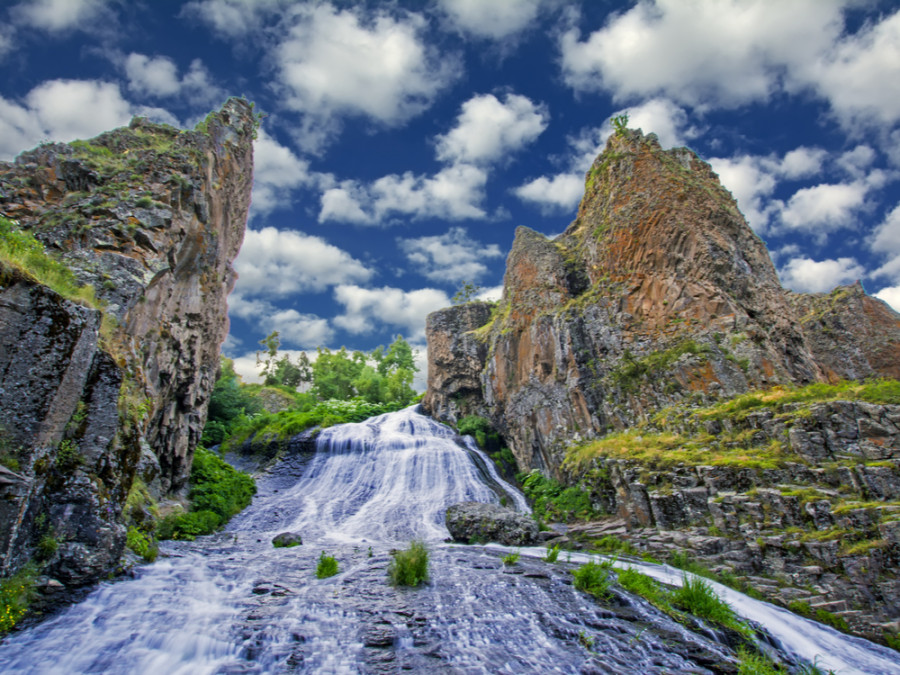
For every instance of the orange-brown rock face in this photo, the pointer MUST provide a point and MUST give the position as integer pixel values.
(658, 292)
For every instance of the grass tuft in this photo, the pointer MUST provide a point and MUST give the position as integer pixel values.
(326, 567)
(410, 566)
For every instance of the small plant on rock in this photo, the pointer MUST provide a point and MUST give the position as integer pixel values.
(409, 567)
(327, 567)
(510, 558)
(552, 554)
(593, 578)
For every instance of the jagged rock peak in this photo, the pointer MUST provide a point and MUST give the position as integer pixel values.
(151, 218)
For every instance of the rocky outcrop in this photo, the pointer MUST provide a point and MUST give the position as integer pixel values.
(470, 522)
(656, 294)
(150, 217)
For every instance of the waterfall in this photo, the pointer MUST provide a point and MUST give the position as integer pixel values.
(232, 603)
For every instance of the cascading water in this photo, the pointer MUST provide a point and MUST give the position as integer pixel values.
(231, 603)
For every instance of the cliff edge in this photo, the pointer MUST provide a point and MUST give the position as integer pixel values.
(111, 385)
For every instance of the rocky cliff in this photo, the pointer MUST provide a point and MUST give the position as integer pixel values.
(96, 392)
(656, 294)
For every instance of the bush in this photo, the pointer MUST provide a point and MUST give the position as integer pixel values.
(327, 567)
(510, 558)
(552, 554)
(552, 501)
(593, 578)
(188, 526)
(15, 594)
(697, 597)
(409, 567)
(141, 544)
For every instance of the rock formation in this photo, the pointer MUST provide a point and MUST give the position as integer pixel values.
(657, 293)
(151, 218)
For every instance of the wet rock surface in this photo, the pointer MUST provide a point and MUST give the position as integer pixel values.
(474, 522)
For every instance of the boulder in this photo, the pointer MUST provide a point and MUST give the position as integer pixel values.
(470, 522)
(287, 539)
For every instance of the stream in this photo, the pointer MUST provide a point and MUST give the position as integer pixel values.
(232, 603)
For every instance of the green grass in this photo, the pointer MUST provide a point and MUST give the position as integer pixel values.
(632, 369)
(217, 492)
(410, 566)
(645, 586)
(552, 554)
(553, 501)
(15, 594)
(326, 567)
(510, 558)
(697, 597)
(594, 578)
(20, 250)
(142, 544)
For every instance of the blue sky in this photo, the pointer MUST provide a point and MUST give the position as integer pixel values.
(404, 141)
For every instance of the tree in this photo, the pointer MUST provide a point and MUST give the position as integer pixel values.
(282, 371)
(620, 124)
(466, 293)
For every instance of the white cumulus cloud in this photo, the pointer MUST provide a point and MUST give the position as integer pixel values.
(277, 263)
(561, 192)
(805, 275)
(158, 76)
(56, 16)
(277, 172)
(450, 257)
(368, 308)
(487, 129)
(347, 62)
(824, 207)
(491, 19)
(891, 295)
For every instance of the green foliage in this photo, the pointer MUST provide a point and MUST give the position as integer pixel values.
(643, 585)
(229, 402)
(326, 567)
(68, 457)
(47, 546)
(20, 250)
(466, 293)
(552, 554)
(15, 594)
(142, 544)
(552, 501)
(754, 663)
(697, 597)
(611, 544)
(510, 558)
(620, 124)
(633, 369)
(217, 492)
(821, 615)
(409, 567)
(593, 578)
(479, 428)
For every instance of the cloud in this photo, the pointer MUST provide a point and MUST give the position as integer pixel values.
(491, 294)
(282, 262)
(720, 54)
(367, 308)
(158, 77)
(335, 63)
(57, 16)
(561, 192)
(7, 41)
(891, 295)
(487, 130)
(852, 75)
(277, 172)
(491, 20)
(802, 162)
(232, 18)
(825, 207)
(454, 193)
(805, 275)
(63, 110)
(302, 330)
(450, 257)
(885, 242)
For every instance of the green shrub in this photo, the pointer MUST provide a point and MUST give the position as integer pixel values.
(479, 428)
(697, 597)
(552, 554)
(754, 663)
(141, 544)
(47, 546)
(510, 558)
(410, 566)
(552, 501)
(643, 585)
(15, 594)
(593, 578)
(327, 566)
(188, 526)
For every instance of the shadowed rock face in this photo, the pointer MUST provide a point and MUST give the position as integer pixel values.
(152, 218)
(658, 292)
